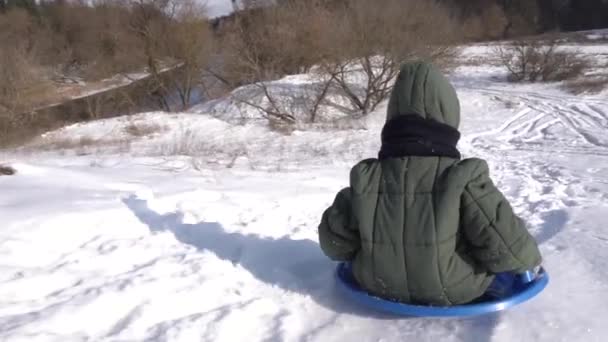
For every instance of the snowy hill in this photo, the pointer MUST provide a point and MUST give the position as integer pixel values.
(190, 227)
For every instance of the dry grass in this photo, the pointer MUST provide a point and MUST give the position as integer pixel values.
(281, 127)
(188, 143)
(140, 129)
(83, 145)
(69, 143)
(475, 61)
(11, 136)
(6, 170)
(203, 151)
(587, 85)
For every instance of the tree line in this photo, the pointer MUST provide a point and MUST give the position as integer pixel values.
(536, 15)
(48, 42)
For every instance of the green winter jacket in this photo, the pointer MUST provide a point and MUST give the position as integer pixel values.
(429, 230)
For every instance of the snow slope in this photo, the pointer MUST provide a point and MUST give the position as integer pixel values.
(219, 243)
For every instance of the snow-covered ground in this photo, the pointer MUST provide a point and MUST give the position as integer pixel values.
(121, 239)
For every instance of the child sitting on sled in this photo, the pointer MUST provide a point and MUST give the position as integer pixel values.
(419, 224)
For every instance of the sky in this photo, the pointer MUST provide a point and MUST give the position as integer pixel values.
(218, 8)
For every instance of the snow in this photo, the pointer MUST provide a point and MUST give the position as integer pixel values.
(118, 81)
(597, 52)
(601, 34)
(293, 94)
(204, 228)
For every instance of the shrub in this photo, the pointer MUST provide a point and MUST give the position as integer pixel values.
(587, 85)
(6, 170)
(142, 129)
(540, 61)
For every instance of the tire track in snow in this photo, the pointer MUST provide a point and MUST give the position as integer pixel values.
(545, 194)
(602, 113)
(548, 193)
(593, 115)
(580, 116)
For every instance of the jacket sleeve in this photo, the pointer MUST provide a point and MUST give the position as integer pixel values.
(338, 236)
(498, 239)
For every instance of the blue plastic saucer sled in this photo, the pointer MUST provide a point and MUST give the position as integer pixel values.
(522, 288)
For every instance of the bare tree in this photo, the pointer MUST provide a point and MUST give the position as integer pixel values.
(265, 45)
(190, 44)
(6, 170)
(22, 88)
(356, 48)
(148, 22)
(23, 78)
(370, 41)
(488, 23)
(177, 46)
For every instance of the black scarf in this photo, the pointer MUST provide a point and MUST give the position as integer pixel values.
(413, 135)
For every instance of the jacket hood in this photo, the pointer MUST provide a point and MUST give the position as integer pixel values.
(422, 90)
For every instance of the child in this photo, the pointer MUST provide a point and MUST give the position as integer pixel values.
(418, 224)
